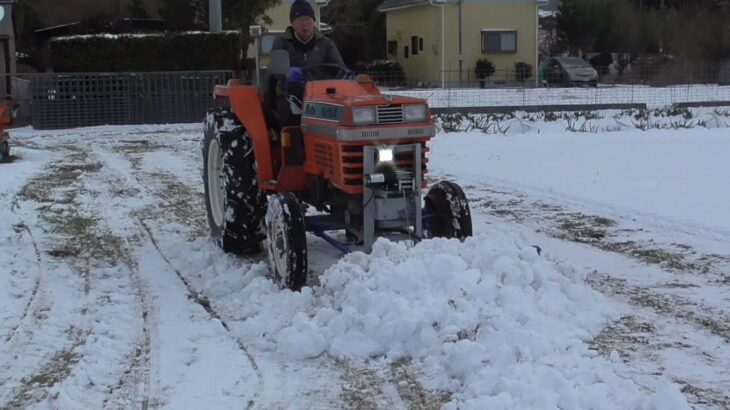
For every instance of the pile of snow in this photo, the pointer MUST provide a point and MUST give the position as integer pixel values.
(487, 319)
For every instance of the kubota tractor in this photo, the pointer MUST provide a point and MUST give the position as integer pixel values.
(357, 161)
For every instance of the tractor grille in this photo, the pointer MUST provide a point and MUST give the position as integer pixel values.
(323, 156)
(390, 114)
(352, 171)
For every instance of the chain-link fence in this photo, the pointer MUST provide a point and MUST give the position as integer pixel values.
(528, 77)
(655, 87)
(52, 101)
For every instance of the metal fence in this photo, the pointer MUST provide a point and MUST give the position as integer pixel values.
(53, 101)
(637, 75)
(701, 85)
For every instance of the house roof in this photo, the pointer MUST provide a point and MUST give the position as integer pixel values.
(389, 5)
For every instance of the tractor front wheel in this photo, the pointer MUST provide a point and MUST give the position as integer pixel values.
(233, 201)
(449, 212)
(286, 240)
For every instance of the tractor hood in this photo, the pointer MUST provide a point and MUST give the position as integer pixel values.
(357, 111)
(353, 93)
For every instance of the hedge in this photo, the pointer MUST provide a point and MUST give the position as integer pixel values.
(147, 52)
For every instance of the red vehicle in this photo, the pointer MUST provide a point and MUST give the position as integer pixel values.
(7, 113)
(358, 157)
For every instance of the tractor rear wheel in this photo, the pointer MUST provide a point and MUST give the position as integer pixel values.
(233, 201)
(449, 210)
(286, 240)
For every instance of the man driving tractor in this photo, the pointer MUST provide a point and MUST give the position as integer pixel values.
(309, 50)
(358, 157)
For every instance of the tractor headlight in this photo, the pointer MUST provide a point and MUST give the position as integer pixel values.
(415, 113)
(363, 115)
(385, 154)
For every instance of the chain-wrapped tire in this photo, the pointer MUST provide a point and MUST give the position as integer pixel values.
(449, 212)
(286, 240)
(234, 203)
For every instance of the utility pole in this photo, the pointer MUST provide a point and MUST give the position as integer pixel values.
(461, 49)
(215, 19)
(663, 12)
(7, 48)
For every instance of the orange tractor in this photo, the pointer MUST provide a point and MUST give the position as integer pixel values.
(357, 158)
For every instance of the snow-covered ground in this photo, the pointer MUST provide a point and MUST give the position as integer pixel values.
(634, 94)
(112, 295)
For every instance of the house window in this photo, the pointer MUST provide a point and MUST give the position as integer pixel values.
(405, 51)
(420, 43)
(414, 45)
(499, 41)
(392, 47)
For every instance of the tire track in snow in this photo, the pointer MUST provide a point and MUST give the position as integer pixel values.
(636, 333)
(178, 197)
(39, 274)
(598, 231)
(665, 305)
(84, 249)
(138, 372)
(192, 294)
(360, 381)
(670, 304)
(59, 364)
(623, 237)
(140, 363)
(203, 301)
(174, 203)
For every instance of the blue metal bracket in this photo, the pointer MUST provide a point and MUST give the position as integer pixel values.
(319, 224)
(332, 241)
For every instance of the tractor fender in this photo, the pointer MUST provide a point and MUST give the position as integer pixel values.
(246, 105)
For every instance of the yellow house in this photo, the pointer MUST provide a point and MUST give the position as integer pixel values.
(439, 41)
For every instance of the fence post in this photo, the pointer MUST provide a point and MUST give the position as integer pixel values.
(448, 92)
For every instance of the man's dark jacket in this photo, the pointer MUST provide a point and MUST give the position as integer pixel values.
(318, 50)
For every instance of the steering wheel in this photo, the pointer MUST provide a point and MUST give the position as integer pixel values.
(342, 72)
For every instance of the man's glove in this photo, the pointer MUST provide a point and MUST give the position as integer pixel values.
(296, 75)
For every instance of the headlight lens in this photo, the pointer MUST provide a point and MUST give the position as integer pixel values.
(415, 113)
(385, 154)
(363, 115)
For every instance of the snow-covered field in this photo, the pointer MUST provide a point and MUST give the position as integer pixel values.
(652, 96)
(112, 295)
